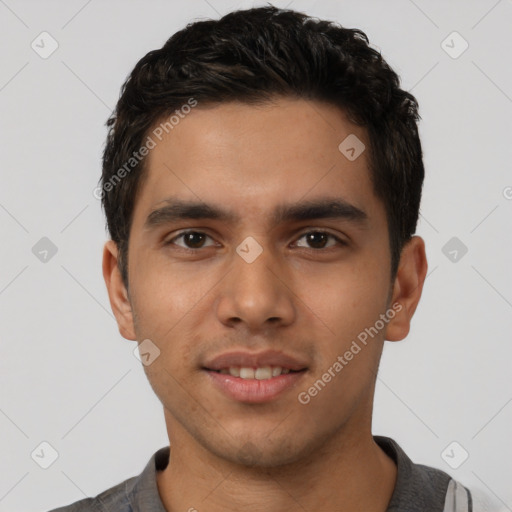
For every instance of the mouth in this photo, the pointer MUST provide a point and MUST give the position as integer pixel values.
(250, 385)
(254, 377)
(258, 373)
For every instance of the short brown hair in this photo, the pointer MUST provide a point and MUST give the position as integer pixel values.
(252, 56)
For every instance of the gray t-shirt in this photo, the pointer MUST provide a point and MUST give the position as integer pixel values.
(418, 488)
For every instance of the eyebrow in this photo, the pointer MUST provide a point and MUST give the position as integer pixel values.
(175, 209)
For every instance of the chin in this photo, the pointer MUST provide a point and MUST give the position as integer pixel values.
(264, 454)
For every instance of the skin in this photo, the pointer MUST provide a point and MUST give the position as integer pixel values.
(306, 301)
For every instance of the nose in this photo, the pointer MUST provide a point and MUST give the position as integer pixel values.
(255, 294)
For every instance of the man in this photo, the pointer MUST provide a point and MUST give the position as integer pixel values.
(262, 181)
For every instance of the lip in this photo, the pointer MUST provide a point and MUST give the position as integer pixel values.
(252, 391)
(246, 359)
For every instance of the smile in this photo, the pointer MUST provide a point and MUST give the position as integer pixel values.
(254, 385)
(261, 373)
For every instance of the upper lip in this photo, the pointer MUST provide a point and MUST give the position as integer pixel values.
(254, 360)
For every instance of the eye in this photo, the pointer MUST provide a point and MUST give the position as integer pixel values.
(194, 240)
(191, 239)
(319, 239)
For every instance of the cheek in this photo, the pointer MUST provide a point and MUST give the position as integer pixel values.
(164, 292)
(347, 297)
(349, 305)
(170, 307)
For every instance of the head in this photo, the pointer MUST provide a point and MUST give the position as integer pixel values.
(244, 117)
(252, 56)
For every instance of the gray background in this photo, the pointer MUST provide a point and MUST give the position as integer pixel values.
(68, 378)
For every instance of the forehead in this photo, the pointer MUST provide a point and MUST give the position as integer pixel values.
(249, 159)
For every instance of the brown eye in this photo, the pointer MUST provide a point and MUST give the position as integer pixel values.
(319, 239)
(191, 240)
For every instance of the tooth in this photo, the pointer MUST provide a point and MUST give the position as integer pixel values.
(276, 371)
(247, 373)
(263, 373)
(285, 371)
(234, 371)
(224, 371)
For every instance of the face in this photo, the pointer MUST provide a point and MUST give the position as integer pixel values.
(287, 266)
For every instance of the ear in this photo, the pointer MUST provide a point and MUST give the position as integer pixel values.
(118, 295)
(407, 288)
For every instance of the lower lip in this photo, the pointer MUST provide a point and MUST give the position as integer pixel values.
(253, 390)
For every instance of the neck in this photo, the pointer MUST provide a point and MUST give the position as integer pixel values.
(349, 473)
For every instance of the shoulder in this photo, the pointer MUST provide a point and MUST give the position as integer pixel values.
(462, 499)
(114, 498)
(419, 487)
(135, 493)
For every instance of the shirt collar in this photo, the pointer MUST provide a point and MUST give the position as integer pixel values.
(417, 487)
(143, 494)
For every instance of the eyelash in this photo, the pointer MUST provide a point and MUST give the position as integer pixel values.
(316, 231)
